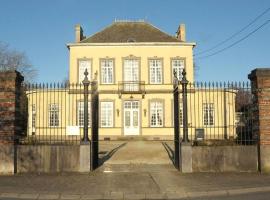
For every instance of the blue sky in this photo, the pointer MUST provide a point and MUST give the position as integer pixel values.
(41, 29)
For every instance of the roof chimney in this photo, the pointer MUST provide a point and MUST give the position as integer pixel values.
(78, 33)
(181, 33)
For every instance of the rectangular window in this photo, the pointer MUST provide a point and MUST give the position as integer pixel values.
(208, 114)
(80, 114)
(84, 64)
(106, 114)
(181, 114)
(107, 71)
(177, 67)
(131, 75)
(54, 115)
(156, 114)
(155, 71)
(33, 116)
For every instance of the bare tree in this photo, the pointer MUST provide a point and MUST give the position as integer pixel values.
(15, 60)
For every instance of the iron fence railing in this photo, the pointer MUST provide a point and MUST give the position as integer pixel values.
(217, 113)
(55, 113)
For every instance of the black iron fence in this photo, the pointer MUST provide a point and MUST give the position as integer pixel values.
(208, 113)
(216, 113)
(51, 111)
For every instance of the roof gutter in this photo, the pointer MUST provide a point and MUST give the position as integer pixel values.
(134, 44)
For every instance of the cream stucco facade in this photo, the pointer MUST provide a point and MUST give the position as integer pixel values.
(139, 105)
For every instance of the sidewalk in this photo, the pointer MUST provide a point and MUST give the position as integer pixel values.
(131, 181)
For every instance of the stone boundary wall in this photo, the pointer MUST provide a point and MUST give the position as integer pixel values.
(53, 158)
(225, 158)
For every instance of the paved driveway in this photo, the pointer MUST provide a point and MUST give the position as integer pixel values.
(136, 152)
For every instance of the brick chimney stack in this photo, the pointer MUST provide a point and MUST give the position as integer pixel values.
(181, 33)
(78, 33)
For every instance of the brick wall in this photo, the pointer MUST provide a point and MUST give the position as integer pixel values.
(260, 83)
(10, 106)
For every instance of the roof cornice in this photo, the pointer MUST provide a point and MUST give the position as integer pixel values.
(134, 44)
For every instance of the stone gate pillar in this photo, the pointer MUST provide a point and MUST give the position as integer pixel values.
(260, 85)
(11, 124)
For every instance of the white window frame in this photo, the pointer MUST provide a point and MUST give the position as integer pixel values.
(156, 113)
(82, 65)
(80, 113)
(34, 112)
(177, 66)
(208, 114)
(106, 116)
(131, 73)
(54, 115)
(181, 114)
(155, 71)
(107, 71)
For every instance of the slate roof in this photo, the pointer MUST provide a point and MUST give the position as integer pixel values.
(123, 32)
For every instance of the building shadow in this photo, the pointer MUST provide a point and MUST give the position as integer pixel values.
(109, 154)
(169, 151)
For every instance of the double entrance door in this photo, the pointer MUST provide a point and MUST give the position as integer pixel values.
(131, 118)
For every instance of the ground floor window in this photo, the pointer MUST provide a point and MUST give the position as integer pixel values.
(156, 114)
(181, 114)
(80, 114)
(54, 115)
(181, 117)
(33, 116)
(208, 114)
(106, 114)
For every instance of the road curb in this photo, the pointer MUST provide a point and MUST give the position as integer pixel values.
(116, 195)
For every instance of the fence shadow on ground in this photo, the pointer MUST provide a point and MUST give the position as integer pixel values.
(109, 154)
(169, 151)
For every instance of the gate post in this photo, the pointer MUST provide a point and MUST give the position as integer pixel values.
(95, 123)
(176, 121)
(86, 82)
(260, 86)
(11, 120)
(184, 83)
(185, 145)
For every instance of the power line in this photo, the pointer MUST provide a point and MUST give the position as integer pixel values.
(235, 34)
(238, 41)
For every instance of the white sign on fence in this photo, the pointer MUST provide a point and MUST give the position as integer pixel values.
(73, 130)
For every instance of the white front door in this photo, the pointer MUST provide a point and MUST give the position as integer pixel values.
(131, 118)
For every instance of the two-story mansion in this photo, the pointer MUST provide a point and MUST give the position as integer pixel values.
(134, 64)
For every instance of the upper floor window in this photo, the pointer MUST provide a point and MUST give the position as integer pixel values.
(106, 114)
(156, 114)
(177, 67)
(54, 115)
(155, 71)
(208, 114)
(84, 64)
(107, 71)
